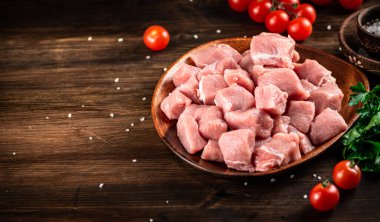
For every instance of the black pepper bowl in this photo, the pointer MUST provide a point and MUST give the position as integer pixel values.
(370, 41)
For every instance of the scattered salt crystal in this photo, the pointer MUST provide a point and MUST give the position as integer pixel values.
(340, 48)
(244, 36)
(112, 115)
(144, 98)
(14, 153)
(245, 183)
(90, 138)
(147, 57)
(89, 38)
(167, 202)
(126, 130)
(319, 178)
(272, 180)
(69, 115)
(151, 219)
(142, 119)
(165, 69)
(47, 117)
(195, 36)
(101, 185)
(82, 106)
(120, 39)
(305, 196)
(132, 124)
(118, 88)
(314, 175)
(134, 160)
(291, 176)
(218, 31)
(190, 0)
(328, 27)
(29, 127)
(116, 79)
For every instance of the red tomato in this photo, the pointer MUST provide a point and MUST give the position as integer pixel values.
(258, 10)
(277, 21)
(239, 5)
(324, 196)
(300, 28)
(289, 4)
(307, 11)
(351, 4)
(347, 175)
(322, 2)
(156, 38)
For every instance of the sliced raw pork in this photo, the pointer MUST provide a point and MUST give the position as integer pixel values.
(218, 67)
(328, 96)
(326, 125)
(301, 114)
(212, 151)
(255, 119)
(210, 54)
(182, 74)
(308, 86)
(174, 104)
(314, 72)
(266, 158)
(190, 88)
(272, 50)
(287, 144)
(208, 86)
(286, 80)
(237, 147)
(271, 99)
(234, 98)
(240, 77)
(280, 124)
(188, 134)
(305, 143)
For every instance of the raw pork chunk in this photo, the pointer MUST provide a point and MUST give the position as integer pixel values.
(314, 72)
(246, 62)
(308, 86)
(208, 55)
(266, 158)
(271, 99)
(258, 120)
(281, 124)
(240, 77)
(234, 98)
(286, 80)
(188, 134)
(210, 121)
(190, 88)
(208, 86)
(272, 50)
(218, 67)
(260, 142)
(326, 125)
(182, 74)
(212, 151)
(305, 143)
(174, 104)
(190, 109)
(237, 147)
(328, 96)
(301, 114)
(287, 144)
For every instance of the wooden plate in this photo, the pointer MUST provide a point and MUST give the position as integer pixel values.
(353, 50)
(345, 73)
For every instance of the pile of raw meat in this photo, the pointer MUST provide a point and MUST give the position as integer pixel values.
(255, 111)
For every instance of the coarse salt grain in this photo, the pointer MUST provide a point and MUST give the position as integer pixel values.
(14, 153)
(69, 115)
(245, 183)
(319, 178)
(305, 196)
(126, 130)
(144, 98)
(314, 175)
(151, 220)
(142, 119)
(167, 202)
(90, 138)
(291, 176)
(147, 57)
(340, 48)
(245, 36)
(118, 88)
(328, 27)
(82, 106)
(29, 127)
(120, 39)
(190, 0)
(89, 38)
(116, 79)
(218, 31)
(132, 124)
(195, 36)
(112, 115)
(134, 160)
(272, 180)
(101, 185)
(165, 69)
(47, 117)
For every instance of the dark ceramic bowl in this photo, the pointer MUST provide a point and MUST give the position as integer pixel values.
(370, 41)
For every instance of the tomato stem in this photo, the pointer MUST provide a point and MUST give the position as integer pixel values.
(352, 163)
(325, 183)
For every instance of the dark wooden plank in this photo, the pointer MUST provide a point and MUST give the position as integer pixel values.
(51, 170)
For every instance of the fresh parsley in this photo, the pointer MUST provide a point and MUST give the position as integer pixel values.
(362, 142)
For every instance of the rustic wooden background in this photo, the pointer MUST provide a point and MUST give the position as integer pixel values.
(88, 167)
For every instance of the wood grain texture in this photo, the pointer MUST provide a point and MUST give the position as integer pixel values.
(48, 68)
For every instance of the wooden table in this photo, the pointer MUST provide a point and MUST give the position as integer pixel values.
(67, 102)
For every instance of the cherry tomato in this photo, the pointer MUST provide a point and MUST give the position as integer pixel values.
(351, 4)
(289, 4)
(322, 2)
(300, 28)
(156, 38)
(324, 196)
(239, 5)
(258, 10)
(307, 11)
(347, 175)
(277, 21)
